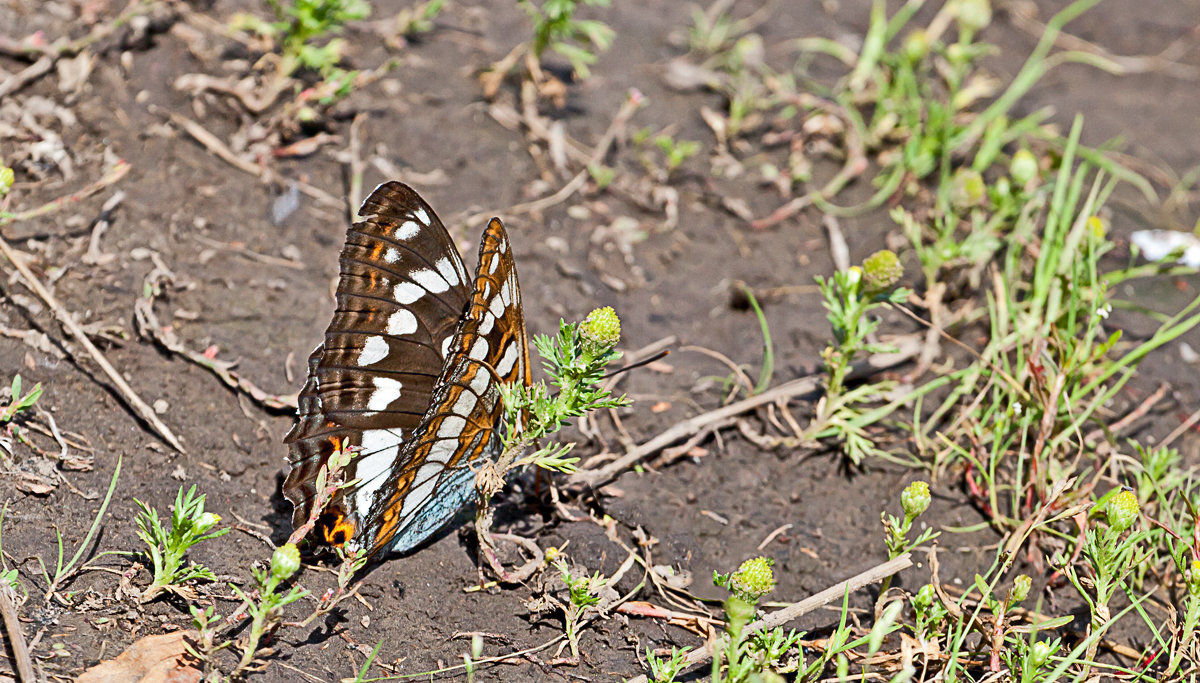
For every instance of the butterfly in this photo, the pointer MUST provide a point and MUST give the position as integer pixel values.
(408, 375)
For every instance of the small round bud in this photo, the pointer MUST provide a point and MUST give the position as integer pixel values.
(967, 188)
(754, 578)
(285, 561)
(7, 178)
(881, 270)
(601, 330)
(1040, 653)
(1192, 578)
(972, 15)
(1097, 226)
(915, 499)
(1123, 510)
(205, 522)
(854, 276)
(1020, 589)
(916, 45)
(925, 597)
(1023, 167)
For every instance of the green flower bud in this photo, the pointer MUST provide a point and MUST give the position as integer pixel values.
(1024, 167)
(285, 561)
(972, 15)
(1192, 578)
(601, 330)
(1123, 510)
(205, 522)
(966, 188)
(1040, 653)
(881, 270)
(915, 499)
(925, 597)
(7, 178)
(916, 45)
(738, 611)
(754, 578)
(1020, 589)
(1098, 227)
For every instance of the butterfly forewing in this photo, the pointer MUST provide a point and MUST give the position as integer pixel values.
(401, 292)
(465, 419)
(408, 374)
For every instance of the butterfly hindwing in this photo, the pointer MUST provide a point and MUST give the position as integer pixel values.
(464, 420)
(401, 290)
(409, 374)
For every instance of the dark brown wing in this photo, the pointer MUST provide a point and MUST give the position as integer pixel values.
(431, 480)
(402, 292)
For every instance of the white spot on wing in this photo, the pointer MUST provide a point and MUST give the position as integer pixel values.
(386, 391)
(465, 404)
(492, 265)
(420, 215)
(451, 427)
(379, 450)
(430, 280)
(506, 292)
(406, 230)
(479, 349)
(402, 322)
(496, 307)
(391, 255)
(446, 345)
(446, 269)
(374, 350)
(487, 323)
(408, 292)
(479, 383)
(508, 360)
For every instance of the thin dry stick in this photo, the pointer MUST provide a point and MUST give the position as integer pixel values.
(908, 347)
(627, 109)
(222, 151)
(799, 609)
(15, 637)
(354, 196)
(68, 321)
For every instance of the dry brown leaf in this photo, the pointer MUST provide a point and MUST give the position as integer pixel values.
(153, 659)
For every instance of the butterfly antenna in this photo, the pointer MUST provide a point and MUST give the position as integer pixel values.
(645, 361)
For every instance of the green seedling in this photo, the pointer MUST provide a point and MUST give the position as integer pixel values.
(583, 597)
(666, 669)
(19, 403)
(266, 612)
(301, 24)
(418, 19)
(190, 525)
(746, 655)
(64, 572)
(555, 28)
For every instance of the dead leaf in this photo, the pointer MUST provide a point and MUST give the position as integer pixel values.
(153, 659)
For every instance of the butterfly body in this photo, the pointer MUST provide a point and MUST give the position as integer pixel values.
(408, 376)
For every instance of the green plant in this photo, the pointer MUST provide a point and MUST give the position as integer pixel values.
(19, 403)
(190, 525)
(301, 23)
(575, 360)
(583, 597)
(675, 151)
(556, 28)
(64, 572)
(664, 670)
(744, 654)
(418, 19)
(850, 297)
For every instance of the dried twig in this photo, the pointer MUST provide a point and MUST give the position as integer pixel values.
(354, 196)
(16, 639)
(631, 104)
(907, 348)
(114, 174)
(222, 151)
(799, 609)
(68, 322)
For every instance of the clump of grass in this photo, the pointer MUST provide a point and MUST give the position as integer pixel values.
(19, 403)
(190, 525)
(301, 26)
